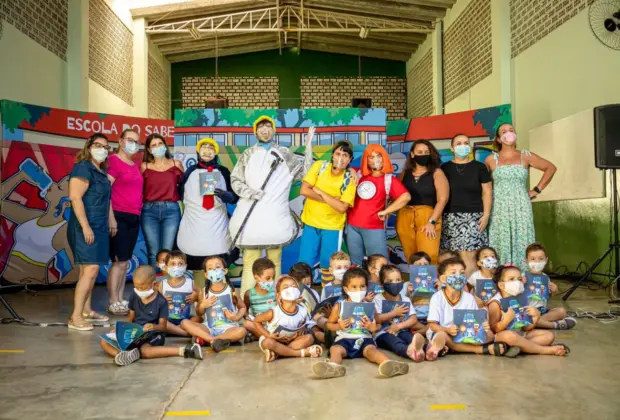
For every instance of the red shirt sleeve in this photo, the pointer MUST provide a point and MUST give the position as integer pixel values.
(397, 188)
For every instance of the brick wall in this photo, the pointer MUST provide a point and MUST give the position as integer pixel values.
(241, 92)
(158, 91)
(420, 88)
(532, 20)
(110, 51)
(467, 49)
(385, 92)
(43, 21)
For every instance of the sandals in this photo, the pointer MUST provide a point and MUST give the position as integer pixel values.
(437, 345)
(117, 309)
(566, 348)
(95, 317)
(83, 326)
(501, 349)
(415, 351)
(314, 351)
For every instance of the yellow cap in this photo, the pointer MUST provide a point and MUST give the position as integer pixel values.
(208, 140)
(264, 118)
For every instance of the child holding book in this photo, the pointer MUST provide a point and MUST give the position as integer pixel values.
(262, 297)
(149, 308)
(486, 260)
(351, 342)
(529, 339)
(302, 272)
(452, 277)
(551, 318)
(217, 289)
(180, 292)
(285, 329)
(395, 334)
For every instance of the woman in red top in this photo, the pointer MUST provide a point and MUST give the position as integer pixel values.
(161, 214)
(375, 189)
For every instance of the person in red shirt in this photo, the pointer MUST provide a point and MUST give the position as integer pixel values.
(379, 194)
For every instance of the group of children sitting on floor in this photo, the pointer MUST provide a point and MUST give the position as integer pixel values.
(290, 319)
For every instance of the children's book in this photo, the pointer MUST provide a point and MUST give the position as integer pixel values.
(354, 312)
(333, 290)
(388, 306)
(469, 326)
(375, 287)
(208, 183)
(215, 314)
(537, 289)
(423, 277)
(518, 304)
(485, 289)
(129, 336)
(290, 333)
(178, 308)
(329, 301)
(309, 297)
(421, 301)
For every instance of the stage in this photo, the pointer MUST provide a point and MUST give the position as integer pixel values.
(57, 374)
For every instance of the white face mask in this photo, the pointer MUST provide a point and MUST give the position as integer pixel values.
(356, 296)
(339, 163)
(339, 273)
(537, 266)
(290, 294)
(514, 288)
(159, 151)
(143, 294)
(162, 266)
(131, 147)
(177, 271)
(99, 154)
(489, 263)
(376, 163)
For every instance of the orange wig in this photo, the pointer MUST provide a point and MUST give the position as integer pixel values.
(376, 148)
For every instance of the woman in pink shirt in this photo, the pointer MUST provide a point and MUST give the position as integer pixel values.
(127, 185)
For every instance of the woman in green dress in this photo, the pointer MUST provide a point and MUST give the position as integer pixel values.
(511, 228)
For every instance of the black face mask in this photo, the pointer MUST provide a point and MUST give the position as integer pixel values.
(393, 288)
(422, 160)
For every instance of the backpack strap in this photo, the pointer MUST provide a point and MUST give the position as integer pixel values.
(346, 182)
(387, 180)
(323, 167)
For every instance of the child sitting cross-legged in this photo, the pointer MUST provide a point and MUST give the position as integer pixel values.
(285, 329)
(451, 273)
(173, 287)
(222, 332)
(531, 340)
(354, 342)
(262, 297)
(149, 308)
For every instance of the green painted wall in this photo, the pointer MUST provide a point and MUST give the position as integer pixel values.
(289, 67)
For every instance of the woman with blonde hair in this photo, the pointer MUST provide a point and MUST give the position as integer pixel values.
(379, 194)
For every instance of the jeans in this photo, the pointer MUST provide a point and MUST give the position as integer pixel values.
(160, 224)
(396, 343)
(319, 245)
(361, 242)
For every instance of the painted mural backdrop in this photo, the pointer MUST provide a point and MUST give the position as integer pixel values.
(38, 151)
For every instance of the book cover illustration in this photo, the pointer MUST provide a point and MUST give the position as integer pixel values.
(178, 308)
(208, 183)
(309, 297)
(333, 290)
(354, 312)
(485, 289)
(423, 277)
(421, 301)
(388, 306)
(518, 305)
(128, 336)
(375, 287)
(469, 326)
(285, 332)
(328, 301)
(215, 314)
(537, 289)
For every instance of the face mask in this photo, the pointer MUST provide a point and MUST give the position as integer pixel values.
(99, 154)
(339, 273)
(376, 163)
(131, 147)
(537, 267)
(159, 151)
(509, 138)
(339, 163)
(177, 272)
(456, 281)
(356, 296)
(422, 160)
(514, 288)
(393, 288)
(290, 294)
(462, 150)
(207, 154)
(266, 285)
(143, 294)
(162, 266)
(489, 263)
(216, 275)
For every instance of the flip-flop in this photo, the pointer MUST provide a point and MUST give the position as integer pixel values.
(508, 351)
(79, 327)
(566, 348)
(415, 351)
(95, 317)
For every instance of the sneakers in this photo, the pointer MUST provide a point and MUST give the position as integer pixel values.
(118, 309)
(328, 370)
(194, 351)
(219, 345)
(391, 368)
(565, 324)
(125, 358)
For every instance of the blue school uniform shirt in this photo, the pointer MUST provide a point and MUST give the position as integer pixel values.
(151, 312)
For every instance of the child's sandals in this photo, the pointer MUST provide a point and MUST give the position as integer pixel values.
(436, 347)
(415, 351)
(501, 349)
(314, 351)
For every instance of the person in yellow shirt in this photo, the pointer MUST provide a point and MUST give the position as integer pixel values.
(329, 188)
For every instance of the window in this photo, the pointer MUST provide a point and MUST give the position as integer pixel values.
(190, 140)
(406, 147)
(339, 137)
(354, 138)
(285, 140)
(240, 139)
(373, 138)
(383, 139)
(325, 139)
(179, 139)
(253, 140)
(219, 138)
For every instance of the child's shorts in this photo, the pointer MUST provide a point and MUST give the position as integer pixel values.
(175, 321)
(543, 310)
(215, 332)
(355, 346)
(157, 340)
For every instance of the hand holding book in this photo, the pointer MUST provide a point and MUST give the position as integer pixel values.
(148, 327)
(209, 302)
(191, 298)
(453, 330)
(533, 312)
(344, 324)
(399, 311)
(367, 324)
(393, 329)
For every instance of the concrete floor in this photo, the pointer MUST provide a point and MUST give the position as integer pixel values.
(65, 375)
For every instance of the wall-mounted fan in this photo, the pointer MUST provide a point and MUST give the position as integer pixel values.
(605, 22)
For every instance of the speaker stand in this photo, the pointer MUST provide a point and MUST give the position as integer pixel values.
(613, 250)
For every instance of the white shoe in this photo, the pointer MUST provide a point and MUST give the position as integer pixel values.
(125, 304)
(117, 309)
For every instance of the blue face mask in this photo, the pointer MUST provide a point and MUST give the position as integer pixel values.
(456, 281)
(216, 276)
(266, 285)
(462, 150)
(393, 288)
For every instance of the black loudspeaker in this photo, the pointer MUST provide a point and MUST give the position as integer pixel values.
(607, 136)
(361, 103)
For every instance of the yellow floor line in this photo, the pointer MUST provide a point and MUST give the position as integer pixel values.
(223, 351)
(12, 351)
(187, 413)
(449, 407)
